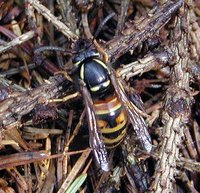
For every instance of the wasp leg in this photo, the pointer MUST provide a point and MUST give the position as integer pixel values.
(64, 99)
(64, 73)
(68, 97)
(102, 52)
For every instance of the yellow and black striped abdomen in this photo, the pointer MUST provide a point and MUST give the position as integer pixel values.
(111, 120)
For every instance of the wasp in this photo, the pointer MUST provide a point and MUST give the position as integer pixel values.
(108, 107)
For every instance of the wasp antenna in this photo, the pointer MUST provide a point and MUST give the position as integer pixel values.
(102, 24)
(100, 27)
(50, 48)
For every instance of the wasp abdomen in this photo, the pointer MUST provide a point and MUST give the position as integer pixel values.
(111, 120)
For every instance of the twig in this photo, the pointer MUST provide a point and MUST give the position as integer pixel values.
(184, 178)
(133, 37)
(189, 164)
(16, 104)
(122, 16)
(17, 41)
(151, 61)
(176, 109)
(50, 17)
(76, 168)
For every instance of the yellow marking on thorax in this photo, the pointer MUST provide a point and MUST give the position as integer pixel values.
(82, 72)
(101, 63)
(96, 88)
(106, 83)
(77, 63)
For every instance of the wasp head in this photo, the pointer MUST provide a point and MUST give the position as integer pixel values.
(83, 50)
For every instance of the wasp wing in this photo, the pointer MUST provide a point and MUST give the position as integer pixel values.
(95, 137)
(136, 120)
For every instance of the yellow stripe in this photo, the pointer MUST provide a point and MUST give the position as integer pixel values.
(111, 101)
(110, 141)
(82, 72)
(114, 129)
(102, 112)
(101, 63)
(114, 146)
